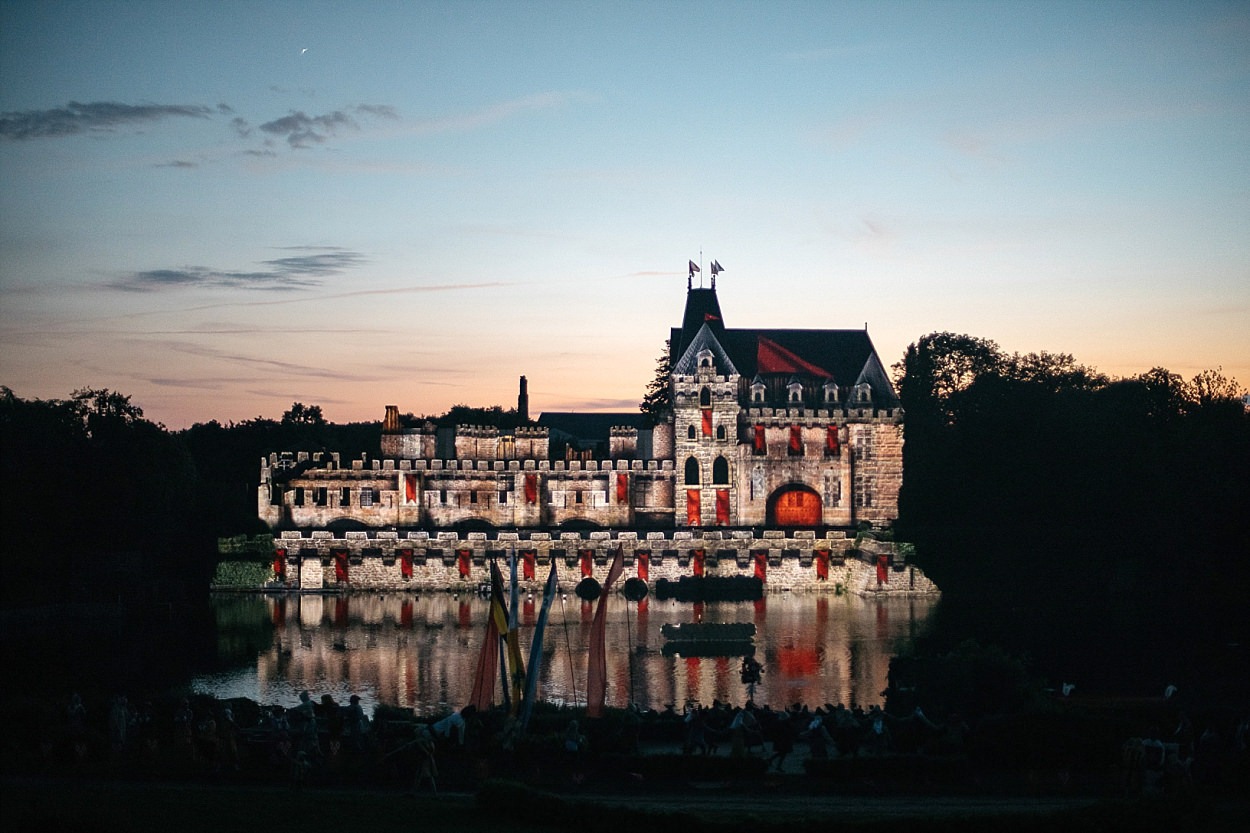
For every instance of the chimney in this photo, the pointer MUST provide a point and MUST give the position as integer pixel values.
(523, 402)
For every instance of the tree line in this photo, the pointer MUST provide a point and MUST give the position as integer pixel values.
(1062, 511)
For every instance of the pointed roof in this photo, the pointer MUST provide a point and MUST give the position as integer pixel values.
(846, 356)
(687, 363)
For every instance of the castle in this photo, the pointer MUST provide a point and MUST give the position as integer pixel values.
(777, 435)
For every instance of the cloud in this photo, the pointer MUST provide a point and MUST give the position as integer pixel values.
(302, 130)
(177, 163)
(302, 271)
(99, 116)
(496, 113)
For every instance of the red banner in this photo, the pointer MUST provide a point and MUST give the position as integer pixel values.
(405, 563)
(822, 565)
(692, 508)
(531, 488)
(462, 563)
(410, 488)
(722, 507)
(759, 439)
(527, 564)
(340, 566)
(883, 569)
(622, 487)
(696, 562)
(796, 439)
(587, 561)
(761, 566)
(831, 439)
(279, 564)
(707, 422)
(644, 564)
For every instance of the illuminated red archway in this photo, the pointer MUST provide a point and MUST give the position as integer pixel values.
(794, 505)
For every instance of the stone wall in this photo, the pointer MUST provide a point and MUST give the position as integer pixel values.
(375, 560)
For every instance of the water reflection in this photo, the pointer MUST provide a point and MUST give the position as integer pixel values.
(420, 652)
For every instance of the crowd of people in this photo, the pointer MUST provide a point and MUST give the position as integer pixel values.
(321, 740)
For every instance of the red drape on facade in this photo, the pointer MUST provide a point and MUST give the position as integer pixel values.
(622, 487)
(696, 562)
(531, 488)
(644, 564)
(761, 566)
(527, 564)
(707, 422)
(883, 569)
(405, 563)
(462, 563)
(405, 615)
(831, 440)
(279, 564)
(410, 488)
(822, 565)
(796, 438)
(722, 507)
(587, 561)
(759, 438)
(340, 566)
(692, 508)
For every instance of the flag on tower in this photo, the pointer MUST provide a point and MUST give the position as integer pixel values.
(694, 267)
(716, 268)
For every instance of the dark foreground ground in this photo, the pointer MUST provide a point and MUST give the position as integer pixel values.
(115, 807)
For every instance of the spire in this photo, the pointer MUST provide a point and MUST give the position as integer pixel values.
(702, 307)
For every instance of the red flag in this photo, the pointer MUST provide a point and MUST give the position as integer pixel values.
(597, 670)
(694, 267)
(531, 488)
(697, 563)
(528, 558)
(831, 440)
(796, 439)
(622, 487)
(707, 422)
(410, 488)
(759, 439)
(586, 560)
(722, 507)
(644, 564)
(487, 663)
(693, 517)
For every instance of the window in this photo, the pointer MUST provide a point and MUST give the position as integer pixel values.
(345, 497)
(720, 432)
(442, 496)
(275, 496)
(299, 495)
(705, 398)
(690, 433)
(366, 496)
(692, 471)
(321, 496)
(577, 497)
(720, 471)
(503, 497)
(473, 496)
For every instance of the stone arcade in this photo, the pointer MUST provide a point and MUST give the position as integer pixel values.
(780, 447)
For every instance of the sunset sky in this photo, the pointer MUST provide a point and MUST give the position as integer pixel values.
(221, 208)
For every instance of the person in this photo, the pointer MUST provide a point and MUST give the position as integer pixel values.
(783, 741)
(304, 725)
(427, 766)
(574, 741)
(453, 722)
(334, 719)
(356, 723)
(696, 731)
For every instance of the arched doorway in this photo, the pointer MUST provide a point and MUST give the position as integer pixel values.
(794, 505)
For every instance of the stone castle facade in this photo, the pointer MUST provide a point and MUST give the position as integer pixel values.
(779, 429)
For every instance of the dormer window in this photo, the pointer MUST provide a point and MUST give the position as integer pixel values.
(705, 360)
(831, 393)
(794, 393)
(863, 394)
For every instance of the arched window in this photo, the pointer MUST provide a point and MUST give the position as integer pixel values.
(720, 432)
(692, 471)
(690, 433)
(705, 398)
(720, 471)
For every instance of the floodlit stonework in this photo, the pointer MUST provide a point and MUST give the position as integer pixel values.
(780, 446)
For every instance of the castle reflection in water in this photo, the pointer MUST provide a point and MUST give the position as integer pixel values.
(419, 652)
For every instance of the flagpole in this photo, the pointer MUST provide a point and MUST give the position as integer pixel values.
(568, 647)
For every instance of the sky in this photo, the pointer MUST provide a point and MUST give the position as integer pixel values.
(223, 208)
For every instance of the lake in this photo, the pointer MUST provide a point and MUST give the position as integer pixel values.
(420, 652)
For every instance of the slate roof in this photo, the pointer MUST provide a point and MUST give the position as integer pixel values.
(590, 427)
(848, 355)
